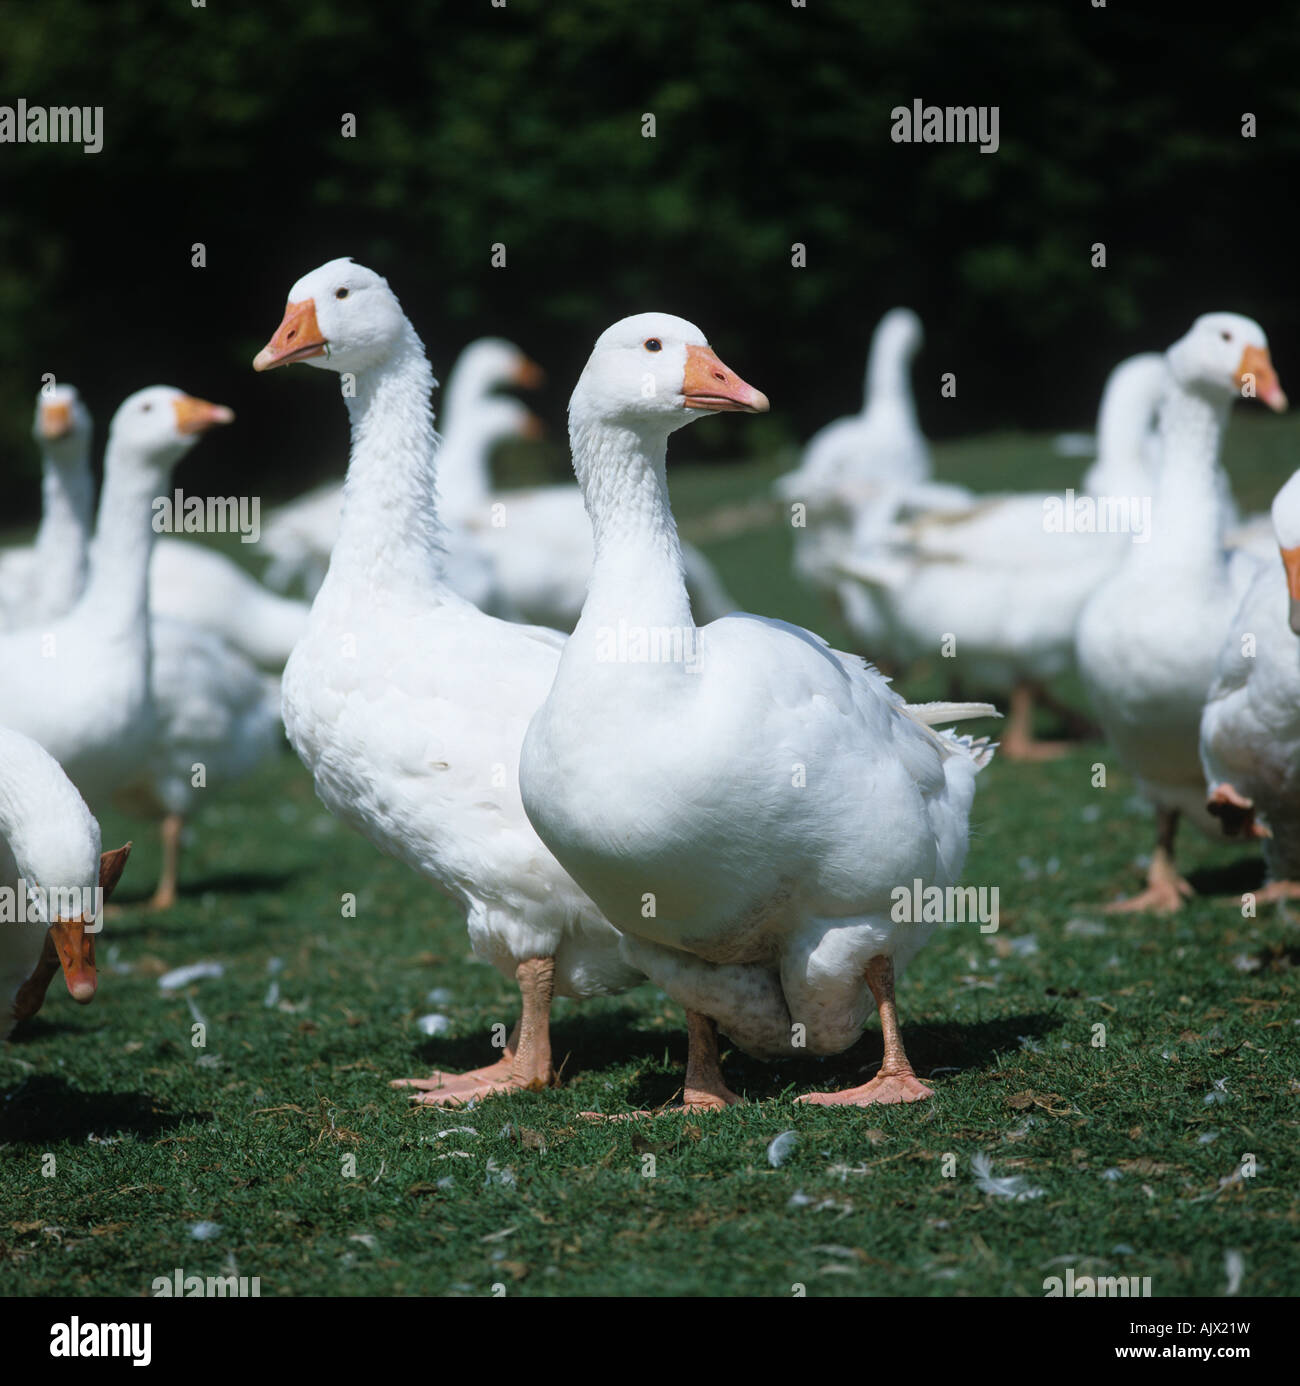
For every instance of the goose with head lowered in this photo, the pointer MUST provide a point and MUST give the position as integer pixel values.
(740, 799)
(1250, 726)
(1149, 638)
(50, 867)
(408, 704)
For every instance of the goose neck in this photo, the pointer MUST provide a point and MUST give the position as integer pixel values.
(637, 573)
(63, 538)
(1188, 518)
(117, 591)
(389, 528)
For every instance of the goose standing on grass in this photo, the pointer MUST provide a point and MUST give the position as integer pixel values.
(740, 799)
(1250, 727)
(79, 684)
(1149, 638)
(50, 864)
(408, 704)
(998, 586)
(43, 579)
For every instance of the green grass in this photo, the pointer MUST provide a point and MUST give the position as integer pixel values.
(151, 1135)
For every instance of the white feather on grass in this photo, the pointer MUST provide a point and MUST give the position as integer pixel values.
(1011, 1186)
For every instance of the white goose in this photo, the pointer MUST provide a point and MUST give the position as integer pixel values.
(408, 704)
(997, 588)
(79, 684)
(740, 799)
(1250, 727)
(1149, 638)
(877, 462)
(43, 579)
(50, 864)
(209, 706)
(188, 581)
(882, 445)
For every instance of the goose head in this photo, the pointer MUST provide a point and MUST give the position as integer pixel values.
(65, 867)
(901, 332)
(341, 317)
(62, 423)
(653, 373)
(492, 363)
(159, 424)
(1286, 526)
(1224, 355)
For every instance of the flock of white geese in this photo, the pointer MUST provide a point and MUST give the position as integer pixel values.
(674, 790)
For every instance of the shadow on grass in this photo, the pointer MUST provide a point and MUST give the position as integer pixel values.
(615, 1039)
(41, 1110)
(230, 883)
(1234, 878)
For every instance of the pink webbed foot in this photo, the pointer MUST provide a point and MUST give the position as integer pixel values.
(1160, 897)
(883, 1088)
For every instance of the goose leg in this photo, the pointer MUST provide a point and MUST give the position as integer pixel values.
(524, 1064)
(896, 1082)
(705, 1090)
(1166, 889)
(164, 897)
(1019, 743)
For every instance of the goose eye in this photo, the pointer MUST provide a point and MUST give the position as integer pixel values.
(145, 408)
(653, 344)
(340, 293)
(1227, 336)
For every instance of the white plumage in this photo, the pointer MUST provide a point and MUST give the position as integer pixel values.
(1250, 726)
(408, 704)
(743, 802)
(1148, 640)
(49, 869)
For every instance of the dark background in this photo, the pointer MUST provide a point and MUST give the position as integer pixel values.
(522, 125)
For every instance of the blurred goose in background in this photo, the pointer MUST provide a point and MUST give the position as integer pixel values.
(1250, 727)
(997, 587)
(882, 444)
(1149, 638)
(875, 464)
(43, 579)
(50, 856)
(408, 704)
(743, 802)
(216, 719)
(79, 684)
(213, 715)
(188, 581)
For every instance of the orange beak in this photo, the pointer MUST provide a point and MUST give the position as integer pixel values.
(76, 950)
(198, 415)
(70, 946)
(297, 338)
(56, 420)
(708, 384)
(1257, 366)
(528, 374)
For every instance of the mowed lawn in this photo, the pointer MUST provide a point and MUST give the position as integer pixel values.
(1155, 1153)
